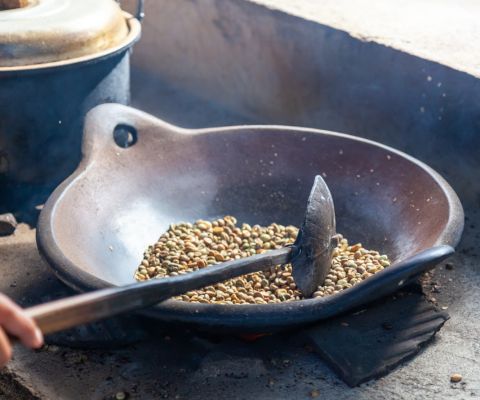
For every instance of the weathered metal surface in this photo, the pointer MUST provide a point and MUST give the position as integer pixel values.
(315, 243)
(41, 116)
(94, 230)
(42, 105)
(43, 31)
(42, 108)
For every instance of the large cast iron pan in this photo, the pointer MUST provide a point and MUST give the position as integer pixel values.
(96, 225)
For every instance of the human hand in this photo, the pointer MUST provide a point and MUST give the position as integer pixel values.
(14, 322)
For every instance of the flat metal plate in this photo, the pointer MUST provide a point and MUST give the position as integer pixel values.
(370, 343)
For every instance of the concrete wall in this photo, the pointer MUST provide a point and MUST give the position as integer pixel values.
(278, 68)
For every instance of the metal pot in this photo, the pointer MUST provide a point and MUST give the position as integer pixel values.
(58, 59)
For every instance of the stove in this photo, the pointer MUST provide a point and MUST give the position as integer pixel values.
(159, 361)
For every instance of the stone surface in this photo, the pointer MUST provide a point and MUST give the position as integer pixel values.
(333, 65)
(444, 31)
(8, 224)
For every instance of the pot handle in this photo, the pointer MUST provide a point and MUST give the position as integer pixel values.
(140, 13)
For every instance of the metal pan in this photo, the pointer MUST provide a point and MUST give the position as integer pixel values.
(96, 225)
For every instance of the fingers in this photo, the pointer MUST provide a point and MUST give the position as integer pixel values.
(16, 322)
(5, 349)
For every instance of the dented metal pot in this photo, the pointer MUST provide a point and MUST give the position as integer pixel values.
(48, 81)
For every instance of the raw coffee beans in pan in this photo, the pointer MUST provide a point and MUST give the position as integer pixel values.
(187, 247)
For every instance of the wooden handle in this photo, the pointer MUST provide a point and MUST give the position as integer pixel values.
(88, 307)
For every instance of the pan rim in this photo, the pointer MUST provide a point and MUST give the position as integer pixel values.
(299, 312)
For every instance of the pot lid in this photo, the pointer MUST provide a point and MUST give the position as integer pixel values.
(44, 31)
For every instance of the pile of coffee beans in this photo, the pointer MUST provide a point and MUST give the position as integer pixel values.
(187, 247)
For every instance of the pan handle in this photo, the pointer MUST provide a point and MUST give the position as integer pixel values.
(114, 128)
(89, 307)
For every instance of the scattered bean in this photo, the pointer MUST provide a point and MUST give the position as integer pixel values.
(455, 378)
